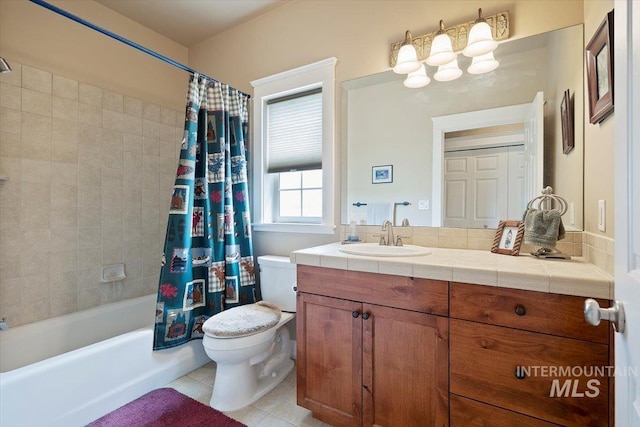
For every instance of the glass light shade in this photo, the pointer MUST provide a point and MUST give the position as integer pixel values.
(480, 40)
(417, 78)
(441, 51)
(407, 60)
(447, 72)
(483, 64)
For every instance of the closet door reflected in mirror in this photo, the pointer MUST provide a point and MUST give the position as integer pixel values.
(483, 186)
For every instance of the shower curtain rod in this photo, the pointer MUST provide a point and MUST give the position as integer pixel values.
(122, 39)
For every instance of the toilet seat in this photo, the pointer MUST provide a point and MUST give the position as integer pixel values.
(237, 343)
(243, 321)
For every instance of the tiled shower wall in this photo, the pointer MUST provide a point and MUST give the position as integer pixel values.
(89, 178)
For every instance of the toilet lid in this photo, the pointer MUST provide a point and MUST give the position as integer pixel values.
(243, 320)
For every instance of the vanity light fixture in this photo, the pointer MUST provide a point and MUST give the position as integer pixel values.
(476, 39)
(407, 57)
(480, 38)
(417, 78)
(441, 48)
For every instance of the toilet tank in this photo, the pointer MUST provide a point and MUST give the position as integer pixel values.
(277, 280)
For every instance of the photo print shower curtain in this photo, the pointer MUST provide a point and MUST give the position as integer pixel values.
(207, 264)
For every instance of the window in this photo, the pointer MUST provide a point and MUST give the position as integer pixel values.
(293, 150)
(300, 196)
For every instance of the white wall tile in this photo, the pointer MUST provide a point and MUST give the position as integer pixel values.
(133, 107)
(35, 79)
(86, 189)
(15, 76)
(10, 120)
(89, 94)
(113, 101)
(66, 109)
(10, 96)
(36, 102)
(65, 88)
(151, 112)
(10, 144)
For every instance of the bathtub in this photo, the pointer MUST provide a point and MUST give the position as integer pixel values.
(76, 386)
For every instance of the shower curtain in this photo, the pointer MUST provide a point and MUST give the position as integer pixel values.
(207, 264)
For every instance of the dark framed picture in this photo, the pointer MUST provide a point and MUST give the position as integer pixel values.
(508, 238)
(566, 115)
(600, 71)
(381, 174)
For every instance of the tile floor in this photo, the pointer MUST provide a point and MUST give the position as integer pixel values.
(276, 409)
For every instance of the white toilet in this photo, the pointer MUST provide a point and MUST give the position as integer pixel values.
(250, 344)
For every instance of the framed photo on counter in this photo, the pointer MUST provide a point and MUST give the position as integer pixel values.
(508, 238)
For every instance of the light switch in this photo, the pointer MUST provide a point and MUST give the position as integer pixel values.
(572, 213)
(602, 215)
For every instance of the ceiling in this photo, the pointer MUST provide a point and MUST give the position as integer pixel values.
(189, 22)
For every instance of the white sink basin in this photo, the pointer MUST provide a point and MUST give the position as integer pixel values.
(374, 249)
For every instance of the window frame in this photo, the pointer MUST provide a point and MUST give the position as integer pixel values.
(320, 74)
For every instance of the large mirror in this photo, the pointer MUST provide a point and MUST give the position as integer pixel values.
(388, 129)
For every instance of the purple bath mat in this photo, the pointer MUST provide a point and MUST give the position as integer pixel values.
(165, 407)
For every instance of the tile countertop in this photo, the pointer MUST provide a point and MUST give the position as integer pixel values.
(568, 277)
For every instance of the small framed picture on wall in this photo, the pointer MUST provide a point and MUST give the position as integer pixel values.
(600, 68)
(382, 174)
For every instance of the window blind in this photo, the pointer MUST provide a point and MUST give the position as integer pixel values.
(294, 132)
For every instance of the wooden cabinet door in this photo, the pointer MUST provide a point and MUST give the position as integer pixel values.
(405, 368)
(329, 358)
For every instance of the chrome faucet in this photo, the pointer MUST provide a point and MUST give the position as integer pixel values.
(388, 227)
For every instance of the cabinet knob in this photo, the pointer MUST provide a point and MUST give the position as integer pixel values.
(355, 314)
(520, 310)
(520, 373)
(365, 316)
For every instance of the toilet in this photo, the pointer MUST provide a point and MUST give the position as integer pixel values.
(250, 343)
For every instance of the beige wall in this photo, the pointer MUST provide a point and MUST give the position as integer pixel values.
(33, 35)
(599, 141)
(359, 34)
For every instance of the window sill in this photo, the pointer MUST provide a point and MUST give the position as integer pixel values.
(296, 228)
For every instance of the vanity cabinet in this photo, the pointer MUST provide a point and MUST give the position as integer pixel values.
(527, 357)
(372, 349)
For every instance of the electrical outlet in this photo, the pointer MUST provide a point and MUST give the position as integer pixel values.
(602, 215)
(423, 205)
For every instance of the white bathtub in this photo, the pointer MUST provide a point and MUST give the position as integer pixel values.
(78, 386)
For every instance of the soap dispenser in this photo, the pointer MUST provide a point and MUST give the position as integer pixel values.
(352, 236)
